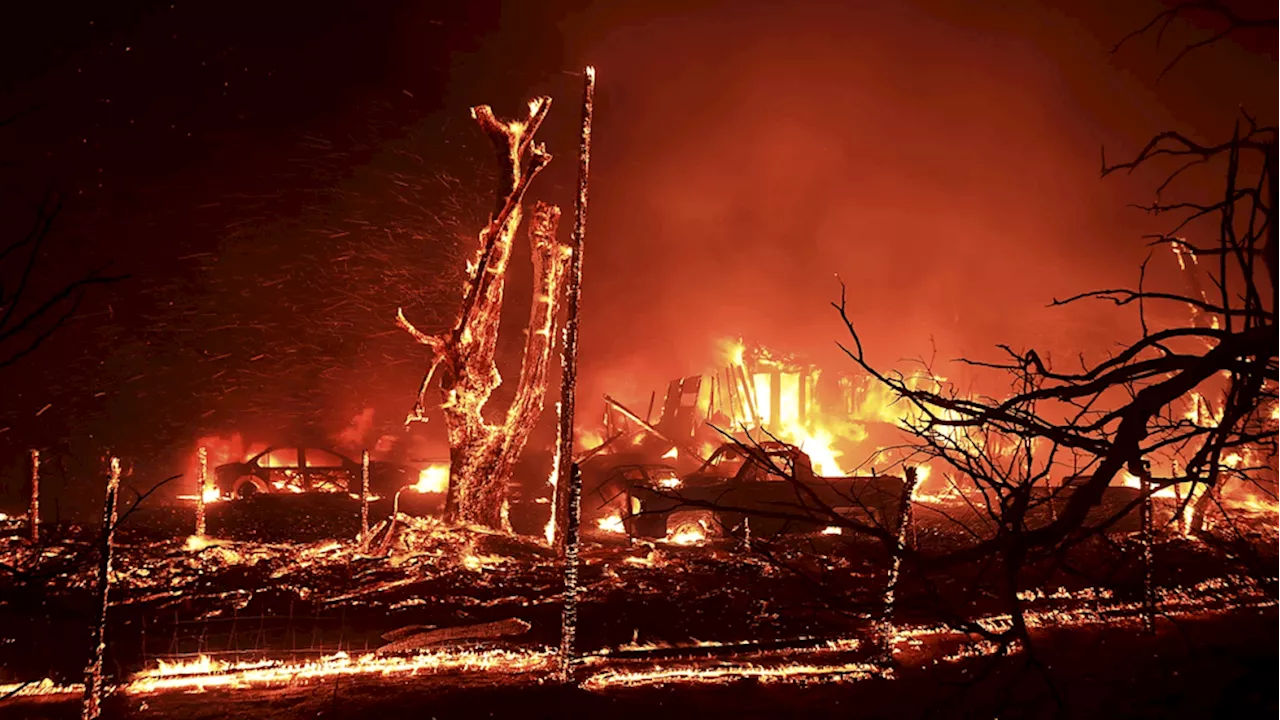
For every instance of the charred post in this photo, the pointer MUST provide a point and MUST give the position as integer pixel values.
(884, 626)
(202, 486)
(91, 708)
(1148, 589)
(1272, 247)
(364, 498)
(569, 353)
(569, 613)
(33, 510)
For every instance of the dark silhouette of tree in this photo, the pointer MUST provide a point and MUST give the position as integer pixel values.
(29, 317)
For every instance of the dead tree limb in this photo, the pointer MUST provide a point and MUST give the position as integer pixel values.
(1231, 21)
(26, 322)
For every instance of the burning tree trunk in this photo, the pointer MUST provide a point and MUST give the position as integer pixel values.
(482, 454)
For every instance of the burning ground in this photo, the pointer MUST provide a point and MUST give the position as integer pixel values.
(252, 620)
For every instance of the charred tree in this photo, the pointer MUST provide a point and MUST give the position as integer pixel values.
(483, 454)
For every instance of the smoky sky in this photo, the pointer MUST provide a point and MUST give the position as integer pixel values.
(278, 178)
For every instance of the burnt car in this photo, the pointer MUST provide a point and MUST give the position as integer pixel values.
(611, 498)
(305, 470)
(751, 482)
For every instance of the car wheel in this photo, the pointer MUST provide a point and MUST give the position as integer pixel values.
(248, 486)
(686, 527)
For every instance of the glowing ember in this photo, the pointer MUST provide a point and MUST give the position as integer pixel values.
(211, 494)
(687, 535)
(433, 479)
(612, 524)
(1130, 480)
(728, 673)
(832, 530)
(671, 454)
(45, 687)
(195, 543)
(671, 482)
(477, 563)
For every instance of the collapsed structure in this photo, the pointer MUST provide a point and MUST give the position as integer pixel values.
(757, 395)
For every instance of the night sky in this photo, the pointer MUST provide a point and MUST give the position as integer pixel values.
(276, 178)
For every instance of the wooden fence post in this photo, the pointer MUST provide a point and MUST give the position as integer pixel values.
(884, 626)
(364, 498)
(33, 511)
(93, 681)
(202, 478)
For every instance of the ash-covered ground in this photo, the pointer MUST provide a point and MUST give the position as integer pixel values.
(650, 611)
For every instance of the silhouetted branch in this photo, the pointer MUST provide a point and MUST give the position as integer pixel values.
(1162, 21)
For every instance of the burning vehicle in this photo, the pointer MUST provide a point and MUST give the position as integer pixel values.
(739, 484)
(289, 469)
(748, 483)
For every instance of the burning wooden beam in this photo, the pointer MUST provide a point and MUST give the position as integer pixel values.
(693, 453)
(415, 637)
(586, 455)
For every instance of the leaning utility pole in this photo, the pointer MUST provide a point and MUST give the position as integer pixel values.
(569, 480)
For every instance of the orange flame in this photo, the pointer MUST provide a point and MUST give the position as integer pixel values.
(433, 479)
(612, 524)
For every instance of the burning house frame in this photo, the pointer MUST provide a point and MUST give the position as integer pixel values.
(758, 393)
